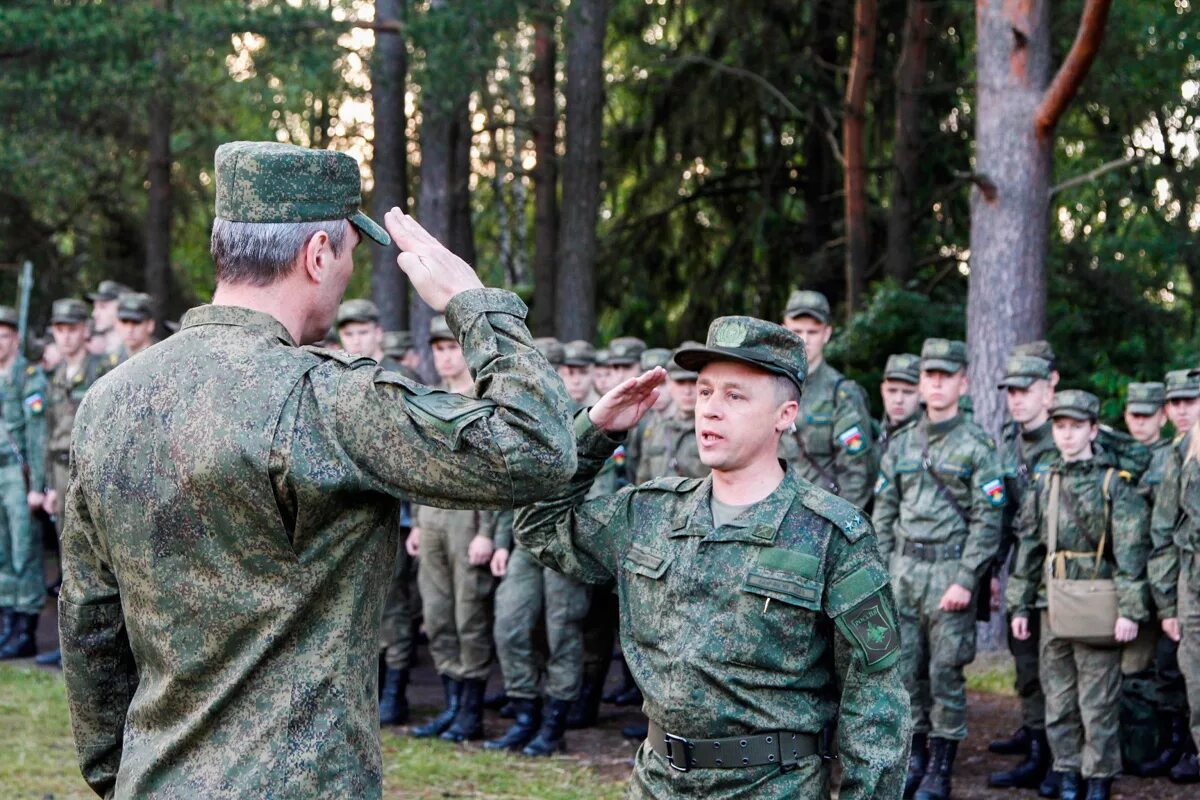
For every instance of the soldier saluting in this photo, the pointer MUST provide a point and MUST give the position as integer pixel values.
(747, 598)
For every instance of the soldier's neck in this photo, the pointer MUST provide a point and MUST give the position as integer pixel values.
(461, 383)
(750, 483)
(278, 300)
(6, 363)
(1037, 422)
(942, 414)
(815, 362)
(74, 362)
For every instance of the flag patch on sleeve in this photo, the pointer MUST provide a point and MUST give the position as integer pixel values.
(35, 403)
(994, 489)
(853, 440)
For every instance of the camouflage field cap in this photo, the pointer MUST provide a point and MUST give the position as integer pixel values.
(439, 330)
(625, 351)
(1022, 371)
(943, 355)
(1183, 384)
(903, 367)
(804, 303)
(551, 349)
(397, 343)
(1075, 404)
(108, 290)
(602, 356)
(655, 357)
(10, 317)
(135, 307)
(579, 353)
(1040, 349)
(358, 310)
(274, 182)
(756, 342)
(1145, 399)
(678, 373)
(69, 311)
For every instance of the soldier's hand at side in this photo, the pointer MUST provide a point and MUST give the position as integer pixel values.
(35, 500)
(51, 502)
(996, 594)
(625, 404)
(413, 543)
(435, 272)
(1126, 630)
(1020, 628)
(1170, 627)
(500, 562)
(956, 598)
(479, 551)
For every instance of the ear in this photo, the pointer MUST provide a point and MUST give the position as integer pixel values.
(786, 416)
(316, 256)
(827, 334)
(966, 382)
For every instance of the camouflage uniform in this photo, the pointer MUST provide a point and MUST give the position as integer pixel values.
(231, 523)
(1082, 682)
(134, 307)
(745, 630)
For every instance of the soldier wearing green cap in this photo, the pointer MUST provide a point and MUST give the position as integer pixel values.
(135, 322)
(651, 357)
(938, 503)
(832, 445)
(398, 350)
(733, 585)
(901, 401)
(1083, 519)
(579, 361)
(22, 480)
(360, 333)
(104, 316)
(246, 489)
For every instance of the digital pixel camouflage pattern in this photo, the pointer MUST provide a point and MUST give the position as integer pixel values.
(746, 628)
(65, 390)
(23, 395)
(231, 530)
(911, 509)
(669, 449)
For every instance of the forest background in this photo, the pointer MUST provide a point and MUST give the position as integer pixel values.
(642, 166)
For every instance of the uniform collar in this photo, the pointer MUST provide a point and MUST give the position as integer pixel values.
(694, 518)
(237, 317)
(1037, 434)
(938, 429)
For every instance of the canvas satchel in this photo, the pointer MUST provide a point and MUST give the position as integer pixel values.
(1081, 610)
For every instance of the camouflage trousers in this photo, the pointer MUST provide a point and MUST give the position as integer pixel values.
(1028, 684)
(1083, 692)
(1189, 644)
(653, 777)
(22, 583)
(936, 646)
(457, 600)
(600, 633)
(528, 594)
(1145, 695)
(396, 633)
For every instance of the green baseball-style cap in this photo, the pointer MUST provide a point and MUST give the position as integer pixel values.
(655, 357)
(1145, 399)
(805, 303)
(1075, 404)
(108, 290)
(1039, 349)
(10, 317)
(274, 182)
(69, 311)
(397, 343)
(359, 310)
(579, 353)
(602, 357)
(678, 373)
(903, 367)
(135, 307)
(439, 329)
(943, 355)
(551, 349)
(756, 342)
(1183, 384)
(1022, 371)
(625, 351)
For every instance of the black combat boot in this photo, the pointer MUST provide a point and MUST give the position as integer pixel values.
(1030, 772)
(1015, 745)
(1051, 784)
(468, 723)
(438, 725)
(1186, 771)
(6, 625)
(21, 642)
(627, 683)
(393, 701)
(936, 783)
(918, 762)
(549, 739)
(1173, 739)
(495, 702)
(1069, 786)
(526, 719)
(50, 659)
(1099, 788)
(586, 709)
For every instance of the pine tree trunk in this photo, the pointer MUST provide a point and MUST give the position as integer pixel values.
(545, 176)
(157, 266)
(910, 109)
(389, 69)
(858, 235)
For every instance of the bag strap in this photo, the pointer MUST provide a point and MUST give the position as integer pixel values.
(1052, 523)
(1057, 497)
(942, 488)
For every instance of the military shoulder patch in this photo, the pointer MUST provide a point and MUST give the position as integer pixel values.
(994, 489)
(881, 483)
(853, 440)
(871, 628)
(35, 403)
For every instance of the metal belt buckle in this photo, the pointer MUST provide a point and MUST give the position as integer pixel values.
(668, 740)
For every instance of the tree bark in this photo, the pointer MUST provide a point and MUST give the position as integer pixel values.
(858, 236)
(820, 161)
(462, 229)
(575, 312)
(910, 109)
(157, 266)
(389, 71)
(545, 175)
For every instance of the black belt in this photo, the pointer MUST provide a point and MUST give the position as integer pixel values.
(931, 551)
(782, 748)
(62, 457)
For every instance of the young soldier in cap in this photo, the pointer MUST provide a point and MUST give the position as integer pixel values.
(938, 503)
(104, 316)
(22, 478)
(901, 400)
(650, 358)
(245, 491)
(832, 446)
(746, 598)
(669, 447)
(579, 359)
(360, 333)
(135, 321)
(400, 355)
(602, 374)
(1144, 415)
(1026, 450)
(1085, 517)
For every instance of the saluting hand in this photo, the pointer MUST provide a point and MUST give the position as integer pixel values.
(435, 272)
(626, 403)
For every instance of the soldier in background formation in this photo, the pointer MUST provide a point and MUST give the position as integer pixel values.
(901, 398)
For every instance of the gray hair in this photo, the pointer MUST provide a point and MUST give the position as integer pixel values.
(260, 253)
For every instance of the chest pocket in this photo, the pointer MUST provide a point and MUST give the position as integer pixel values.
(779, 608)
(644, 602)
(817, 431)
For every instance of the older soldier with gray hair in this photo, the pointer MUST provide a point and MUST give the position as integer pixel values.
(231, 520)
